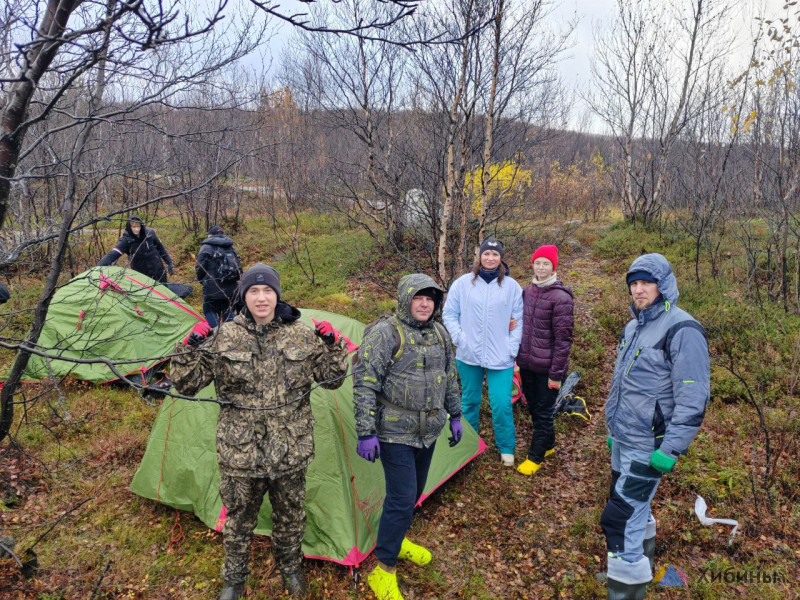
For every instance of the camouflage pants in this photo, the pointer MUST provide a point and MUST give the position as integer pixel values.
(242, 497)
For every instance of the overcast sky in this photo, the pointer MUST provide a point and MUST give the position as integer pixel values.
(593, 16)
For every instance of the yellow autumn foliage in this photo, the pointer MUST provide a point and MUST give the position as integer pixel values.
(506, 179)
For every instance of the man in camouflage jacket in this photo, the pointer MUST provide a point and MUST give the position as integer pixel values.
(263, 363)
(404, 387)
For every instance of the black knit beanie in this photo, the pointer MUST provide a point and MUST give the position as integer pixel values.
(260, 274)
(434, 294)
(491, 243)
(640, 276)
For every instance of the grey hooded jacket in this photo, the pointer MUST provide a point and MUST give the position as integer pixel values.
(661, 382)
(405, 398)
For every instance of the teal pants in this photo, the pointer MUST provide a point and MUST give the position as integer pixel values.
(499, 382)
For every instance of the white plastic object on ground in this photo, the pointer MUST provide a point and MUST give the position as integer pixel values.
(700, 508)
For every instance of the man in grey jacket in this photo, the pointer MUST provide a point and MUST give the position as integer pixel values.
(659, 392)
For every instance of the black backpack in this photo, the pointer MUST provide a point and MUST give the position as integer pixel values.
(225, 265)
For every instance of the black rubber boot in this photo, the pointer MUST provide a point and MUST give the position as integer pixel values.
(232, 591)
(650, 552)
(295, 583)
(625, 591)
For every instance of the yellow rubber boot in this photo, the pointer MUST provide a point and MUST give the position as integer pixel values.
(414, 552)
(384, 584)
(550, 452)
(528, 467)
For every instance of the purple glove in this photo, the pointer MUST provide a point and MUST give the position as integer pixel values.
(369, 448)
(457, 430)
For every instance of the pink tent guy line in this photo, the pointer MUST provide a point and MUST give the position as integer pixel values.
(355, 556)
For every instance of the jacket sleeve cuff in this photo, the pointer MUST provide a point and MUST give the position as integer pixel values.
(339, 346)
(364, 433)
(670, 450)
(456, 338)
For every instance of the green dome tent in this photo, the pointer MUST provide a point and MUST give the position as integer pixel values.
(112, 313)
(344, 493)
(121, 316)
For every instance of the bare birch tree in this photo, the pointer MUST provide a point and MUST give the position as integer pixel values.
(356, 86)
(527, 103)
(88, 78)
(648, 70)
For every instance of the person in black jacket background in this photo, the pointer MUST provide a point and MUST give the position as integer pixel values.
(144, 249)
(219, 268)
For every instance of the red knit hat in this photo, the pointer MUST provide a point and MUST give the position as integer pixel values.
(547, 251)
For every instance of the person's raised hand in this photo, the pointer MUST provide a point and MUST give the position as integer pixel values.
(326, 331)
(198, 333)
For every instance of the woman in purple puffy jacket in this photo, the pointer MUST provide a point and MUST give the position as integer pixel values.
(547, 322)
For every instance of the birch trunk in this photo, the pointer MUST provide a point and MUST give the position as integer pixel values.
(450, 190)
(68, 213)
(489, 134)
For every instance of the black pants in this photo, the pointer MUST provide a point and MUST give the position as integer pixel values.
(405, 470)
(217, 311)
(541, 401)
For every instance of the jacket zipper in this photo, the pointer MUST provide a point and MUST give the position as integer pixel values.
(619, 388)
(485, 321)
(635, 356)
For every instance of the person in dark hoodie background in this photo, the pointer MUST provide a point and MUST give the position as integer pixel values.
(263, 364)
(547, 323)
(219, 268)
(144, 249)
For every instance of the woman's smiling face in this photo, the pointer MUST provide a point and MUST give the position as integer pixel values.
(490, 259)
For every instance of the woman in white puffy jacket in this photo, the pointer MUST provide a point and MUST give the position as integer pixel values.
(479, 312)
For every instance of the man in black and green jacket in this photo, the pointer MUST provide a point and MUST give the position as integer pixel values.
(404, 388)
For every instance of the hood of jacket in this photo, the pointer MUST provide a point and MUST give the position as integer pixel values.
(410, 286)
(658, 266)
(218, 239)
(129, 231)
(284, 313)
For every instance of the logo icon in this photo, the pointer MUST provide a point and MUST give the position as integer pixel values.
(671, 577)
